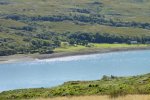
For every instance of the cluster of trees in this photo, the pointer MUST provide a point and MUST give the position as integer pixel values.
(7, 51)
(30, 46)
(4, 3)
(46, 42)
(87, 11)
(33, 43)
(79, 38)
(97, 3)
(95, 18)
(25, 28)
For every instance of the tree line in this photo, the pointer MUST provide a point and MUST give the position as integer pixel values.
(95, 18)
(47, 42)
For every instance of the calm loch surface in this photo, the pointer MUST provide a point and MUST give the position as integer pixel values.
(52, 72)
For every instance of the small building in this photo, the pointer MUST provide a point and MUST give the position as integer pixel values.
(89, 45)
(133, 42)
(65, 44)
(115, 43)
(75, 45)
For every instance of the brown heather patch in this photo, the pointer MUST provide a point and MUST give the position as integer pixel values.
(128, 97)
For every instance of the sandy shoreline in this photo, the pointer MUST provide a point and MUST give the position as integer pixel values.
(32, 57)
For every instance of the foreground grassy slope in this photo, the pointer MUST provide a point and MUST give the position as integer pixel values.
(113, 86)
(128, 97)
(31, 26)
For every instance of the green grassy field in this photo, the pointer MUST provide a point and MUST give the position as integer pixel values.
(108, 85)
(97, 46)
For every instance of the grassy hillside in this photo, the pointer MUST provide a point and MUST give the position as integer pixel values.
(31, 26)
(108, 85)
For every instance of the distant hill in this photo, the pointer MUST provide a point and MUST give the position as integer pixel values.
(39, 26)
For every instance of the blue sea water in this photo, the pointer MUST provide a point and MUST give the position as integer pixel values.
(53, 72)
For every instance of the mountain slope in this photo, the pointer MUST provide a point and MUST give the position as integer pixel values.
(41, 25)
